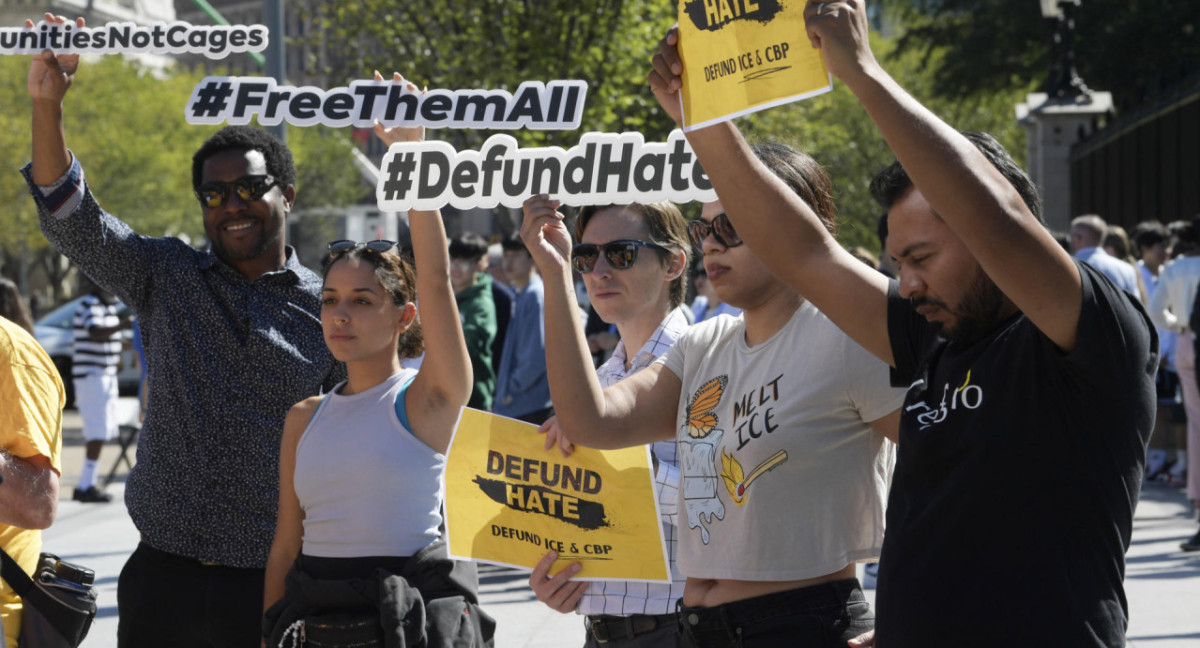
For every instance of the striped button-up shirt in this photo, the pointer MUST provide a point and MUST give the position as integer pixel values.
(626, 597)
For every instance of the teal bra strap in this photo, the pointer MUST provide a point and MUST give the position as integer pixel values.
(401, 409)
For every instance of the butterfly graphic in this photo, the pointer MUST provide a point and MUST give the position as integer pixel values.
(701, 419)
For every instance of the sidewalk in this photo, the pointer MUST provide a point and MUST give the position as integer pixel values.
(101, 536)
(1162, 583)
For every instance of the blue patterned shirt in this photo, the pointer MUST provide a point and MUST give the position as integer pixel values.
(227, 357)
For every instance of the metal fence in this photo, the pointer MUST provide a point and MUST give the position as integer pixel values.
(1144, 166)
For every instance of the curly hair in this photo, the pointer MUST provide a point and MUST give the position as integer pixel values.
(247, 138)
(399, 279)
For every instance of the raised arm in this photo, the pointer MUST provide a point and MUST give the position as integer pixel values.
(443, 385)
(641, 408)
(50, 77)
(978, 203)
(105, 248)
(781, 229)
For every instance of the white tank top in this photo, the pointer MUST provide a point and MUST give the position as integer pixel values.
(367, 486)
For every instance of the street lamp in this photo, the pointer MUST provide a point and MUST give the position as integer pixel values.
(1064, 81)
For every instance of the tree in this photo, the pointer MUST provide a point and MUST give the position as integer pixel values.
(1132, 49)
(495, 44)
(127, 128)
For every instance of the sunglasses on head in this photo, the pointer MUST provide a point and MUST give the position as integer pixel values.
(249, 188)
(721, 229)
(343, 246)
(620, 254)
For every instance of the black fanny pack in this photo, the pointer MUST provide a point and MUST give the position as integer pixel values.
(58, 604)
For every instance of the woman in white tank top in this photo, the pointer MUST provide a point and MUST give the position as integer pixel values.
(361, 468)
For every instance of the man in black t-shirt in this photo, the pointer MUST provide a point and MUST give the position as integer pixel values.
(1031, 377)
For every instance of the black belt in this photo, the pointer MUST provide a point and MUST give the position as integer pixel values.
(605, 628)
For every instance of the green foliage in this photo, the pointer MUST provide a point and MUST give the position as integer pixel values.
(325, 173)
(496, 44)
(1128, 48)
(128, 130)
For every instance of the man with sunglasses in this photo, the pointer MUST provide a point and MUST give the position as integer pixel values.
(1030, 375)
(232, 339)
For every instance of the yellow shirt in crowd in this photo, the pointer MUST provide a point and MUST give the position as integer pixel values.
(31, 404)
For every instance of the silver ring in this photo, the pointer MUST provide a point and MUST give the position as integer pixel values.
(820, 8)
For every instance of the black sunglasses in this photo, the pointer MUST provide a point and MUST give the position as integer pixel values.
(343, 246)
(721, 229)
(620, 254)
(249, 188)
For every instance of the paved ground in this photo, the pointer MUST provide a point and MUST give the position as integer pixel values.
(1162, 583)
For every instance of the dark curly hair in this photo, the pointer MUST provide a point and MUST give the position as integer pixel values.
(399, 279)
(247, 138)
(892, 183)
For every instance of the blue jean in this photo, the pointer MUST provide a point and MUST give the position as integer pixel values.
(828, 614)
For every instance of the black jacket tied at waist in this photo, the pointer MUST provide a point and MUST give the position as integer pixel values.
(431, 602)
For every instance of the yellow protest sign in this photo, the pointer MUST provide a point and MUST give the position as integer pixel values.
(509, 501)
(741, 56)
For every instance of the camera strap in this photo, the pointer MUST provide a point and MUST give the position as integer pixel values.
(14, 575)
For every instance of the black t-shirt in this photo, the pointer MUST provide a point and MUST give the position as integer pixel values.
(1019, 469)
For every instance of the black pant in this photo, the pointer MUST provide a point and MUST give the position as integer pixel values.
(825, 615)
(169, 600)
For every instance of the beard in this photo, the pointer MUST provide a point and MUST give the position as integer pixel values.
(978, 314)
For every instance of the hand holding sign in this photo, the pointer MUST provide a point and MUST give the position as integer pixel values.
(49, 75)
(545, 235)
(558, 592)
(555, 437)
(666, 72)
(393, 134)
(840, 30)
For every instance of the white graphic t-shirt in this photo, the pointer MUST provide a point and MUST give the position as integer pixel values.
(782, 478)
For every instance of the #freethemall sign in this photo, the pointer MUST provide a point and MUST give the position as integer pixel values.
(177, 37)
(604, 168)
(557, 105)
(509, 501)
(742, 56)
